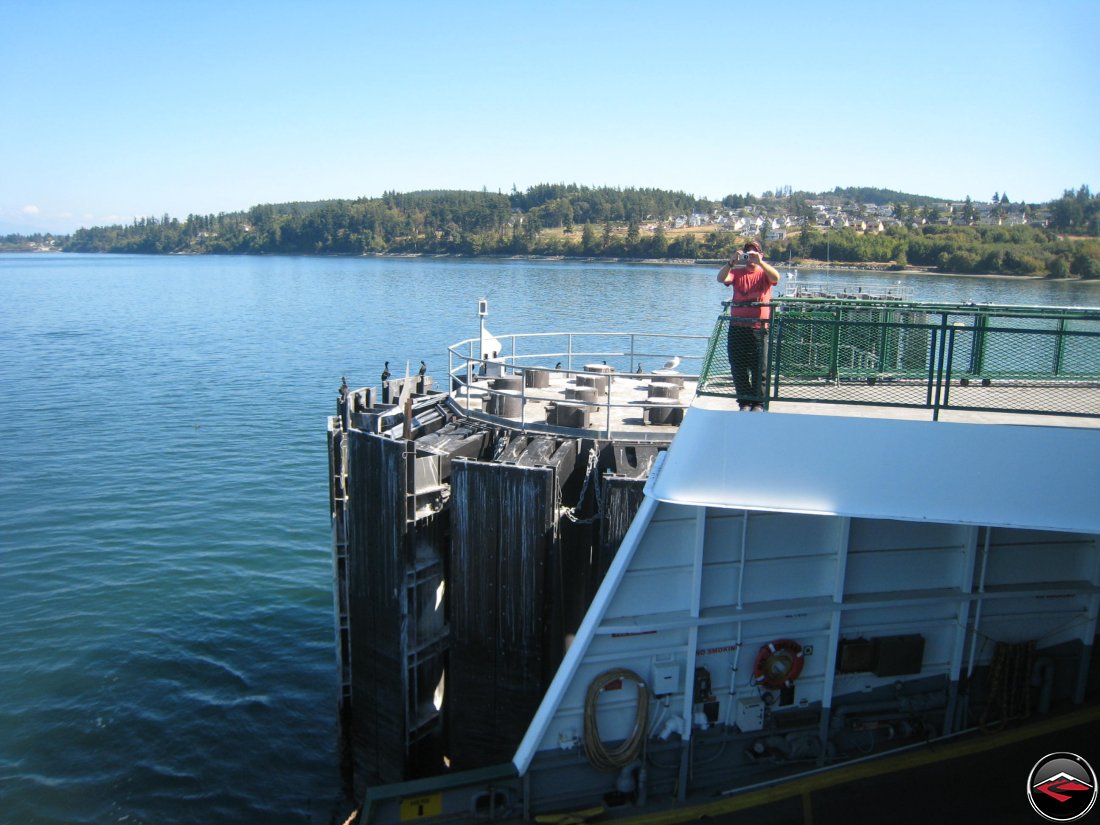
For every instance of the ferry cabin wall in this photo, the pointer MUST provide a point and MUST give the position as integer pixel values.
(819, 580)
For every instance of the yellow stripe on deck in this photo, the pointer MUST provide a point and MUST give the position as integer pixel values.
(807, 785)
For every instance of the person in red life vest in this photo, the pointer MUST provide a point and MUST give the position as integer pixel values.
(747, 343)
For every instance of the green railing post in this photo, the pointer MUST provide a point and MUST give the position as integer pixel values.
(939, 366)
(934, 344)
(884, 339)
(977, 348)
(1059, 346)
(945, 378)
(834, 348)
(775, 343)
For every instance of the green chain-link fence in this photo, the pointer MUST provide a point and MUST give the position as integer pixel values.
(891, 353)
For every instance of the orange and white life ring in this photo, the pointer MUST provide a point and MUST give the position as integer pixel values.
(778, 664)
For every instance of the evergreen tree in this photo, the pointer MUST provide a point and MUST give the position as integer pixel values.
(659, 245)
(632, 233)
(588, 239)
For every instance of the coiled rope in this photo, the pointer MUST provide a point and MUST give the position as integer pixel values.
(1009, 684)
(630, 748)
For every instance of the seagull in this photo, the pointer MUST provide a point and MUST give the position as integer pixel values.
(386, 371)
(423, 369)
(672, 363)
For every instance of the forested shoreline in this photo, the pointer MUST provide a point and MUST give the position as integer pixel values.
(576, 221)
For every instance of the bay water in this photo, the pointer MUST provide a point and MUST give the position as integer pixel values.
(166, 623)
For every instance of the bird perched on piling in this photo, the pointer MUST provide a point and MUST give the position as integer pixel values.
(386, 372)
(672, 363)
(423, 369)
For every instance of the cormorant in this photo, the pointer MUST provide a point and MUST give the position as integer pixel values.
(386, 372)
(423, 369)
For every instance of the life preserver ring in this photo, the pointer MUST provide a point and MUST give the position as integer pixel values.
(778, 664)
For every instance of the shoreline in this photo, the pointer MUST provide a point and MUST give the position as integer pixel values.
(876, 269)
(872, 268)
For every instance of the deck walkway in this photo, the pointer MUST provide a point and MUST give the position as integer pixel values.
(626, 417)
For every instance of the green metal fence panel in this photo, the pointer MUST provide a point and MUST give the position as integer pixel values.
(895, 353)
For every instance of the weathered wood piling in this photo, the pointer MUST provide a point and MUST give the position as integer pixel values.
(465, 553)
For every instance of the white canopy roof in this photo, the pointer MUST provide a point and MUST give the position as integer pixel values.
(982, 474)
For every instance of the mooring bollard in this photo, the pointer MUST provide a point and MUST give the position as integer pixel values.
(568, 414)
(537, 377)
(664, 389)
(663, 411)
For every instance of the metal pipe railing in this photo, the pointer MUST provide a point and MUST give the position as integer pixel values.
(463, 365)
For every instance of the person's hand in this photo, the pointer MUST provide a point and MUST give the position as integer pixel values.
(753, 256)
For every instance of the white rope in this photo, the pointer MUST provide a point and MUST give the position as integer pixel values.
(591, 475)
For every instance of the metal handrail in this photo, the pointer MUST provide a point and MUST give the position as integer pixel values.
(821, 342)
(468, 364)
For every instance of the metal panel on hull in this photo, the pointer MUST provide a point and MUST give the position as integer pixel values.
(734, 549)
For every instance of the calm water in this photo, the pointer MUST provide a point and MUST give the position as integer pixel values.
(166, 635)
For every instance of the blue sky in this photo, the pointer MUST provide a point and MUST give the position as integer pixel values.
(116, 109)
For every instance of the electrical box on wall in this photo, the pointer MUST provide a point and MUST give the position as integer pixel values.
(666, 678)
(750, 715)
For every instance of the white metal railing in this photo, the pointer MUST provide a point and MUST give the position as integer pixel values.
(626, 353)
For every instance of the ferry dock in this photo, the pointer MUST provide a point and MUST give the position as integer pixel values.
(910, 518)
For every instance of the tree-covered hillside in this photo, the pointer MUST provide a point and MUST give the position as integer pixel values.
(853, 225)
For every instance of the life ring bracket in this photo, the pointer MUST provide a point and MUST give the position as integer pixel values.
(778, 664)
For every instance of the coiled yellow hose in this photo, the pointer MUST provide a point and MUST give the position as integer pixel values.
(631, 747)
